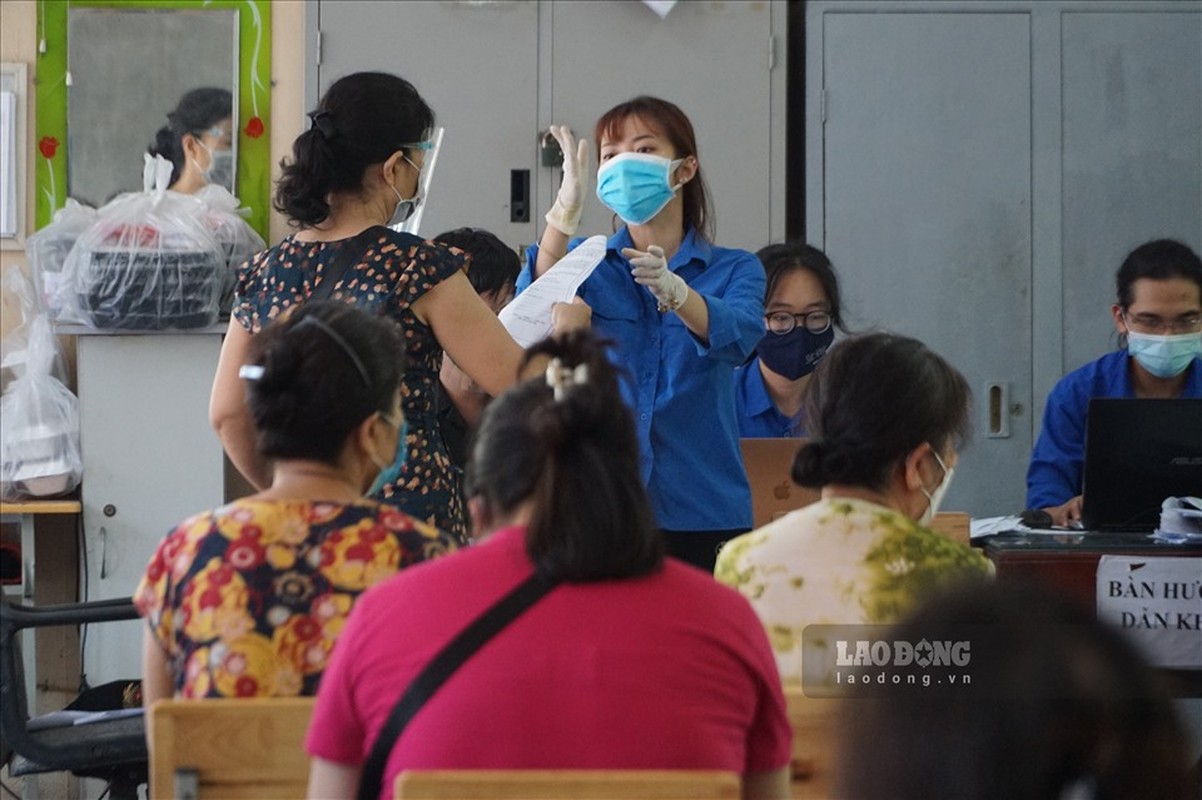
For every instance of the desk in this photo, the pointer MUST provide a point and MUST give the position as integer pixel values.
(26, 513)
(1069, 562)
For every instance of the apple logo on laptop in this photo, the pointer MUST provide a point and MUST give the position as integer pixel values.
(782, 490)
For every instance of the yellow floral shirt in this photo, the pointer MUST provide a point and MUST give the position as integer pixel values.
(247, 600)
(839, 562)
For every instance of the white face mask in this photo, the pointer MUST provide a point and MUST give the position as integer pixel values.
(405, 206)
(936, 497)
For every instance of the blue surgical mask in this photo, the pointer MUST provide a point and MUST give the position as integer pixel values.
(1165, 356)
(389, 474)
(795, 354)
(636, 186)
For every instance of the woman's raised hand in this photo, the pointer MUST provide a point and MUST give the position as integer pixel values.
(569, 203)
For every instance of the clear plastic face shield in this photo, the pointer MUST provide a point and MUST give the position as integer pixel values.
(414, 222)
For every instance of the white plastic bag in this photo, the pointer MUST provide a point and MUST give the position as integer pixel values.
(146, 264)
(48, 248)
(39, 425)
(238, 240)
(21, 307)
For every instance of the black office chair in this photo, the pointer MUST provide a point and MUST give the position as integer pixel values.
(111, 750)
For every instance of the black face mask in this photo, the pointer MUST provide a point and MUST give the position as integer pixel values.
(796, 353)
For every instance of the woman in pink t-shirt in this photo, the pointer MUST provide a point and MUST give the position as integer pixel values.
(632, 661)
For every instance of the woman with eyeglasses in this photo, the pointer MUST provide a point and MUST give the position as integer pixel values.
(353, 177)
(198, 140)
(247, 600)
(801, 311)
(1158, 317)
(886, 416)
(683, 311)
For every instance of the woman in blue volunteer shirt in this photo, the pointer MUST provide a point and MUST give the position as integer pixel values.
(682, 311)
(801, 313)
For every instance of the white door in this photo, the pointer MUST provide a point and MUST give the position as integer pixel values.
(925, 207)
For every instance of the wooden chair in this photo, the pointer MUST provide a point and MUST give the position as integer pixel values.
(566, 785)
(231, 749)
(813, 723)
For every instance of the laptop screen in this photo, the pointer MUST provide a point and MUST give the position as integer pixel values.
(1137, 453)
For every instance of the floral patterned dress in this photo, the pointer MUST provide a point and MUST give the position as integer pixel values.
(394, 272)
(247, 600)
(839, 561)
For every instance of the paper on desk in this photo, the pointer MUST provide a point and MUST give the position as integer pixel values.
(528, 316)
(988, 526)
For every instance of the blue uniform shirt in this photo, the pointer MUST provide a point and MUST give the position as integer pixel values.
(680, 389)
(1058, 458)
(758, 416)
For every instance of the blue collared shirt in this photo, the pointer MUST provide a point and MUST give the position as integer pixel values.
(1058, 459)
(758, 416)
(679, 388)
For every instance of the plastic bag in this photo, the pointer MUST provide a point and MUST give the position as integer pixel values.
(238, 240)
(146, 264)
(21, 303)
(39, 425)
(48, 248)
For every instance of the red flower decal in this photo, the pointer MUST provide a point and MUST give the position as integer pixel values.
(254, 128)
(49, 146)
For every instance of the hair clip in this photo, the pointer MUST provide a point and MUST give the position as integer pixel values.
(337, 338)
(250, 372)
(323, 123)
(561, 378)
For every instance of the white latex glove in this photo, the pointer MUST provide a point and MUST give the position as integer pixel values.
(651, 270)
(569, 203)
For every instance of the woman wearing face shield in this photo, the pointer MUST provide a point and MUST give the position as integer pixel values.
(886, 416)
(198, 141)
(356, 170)
(246, 600)
(802, 308)
(683, 312)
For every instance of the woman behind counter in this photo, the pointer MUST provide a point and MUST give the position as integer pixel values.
(886, 415)
(247, 600)
(631, 661)
(358, 169)
(683, 311)
(801, 311)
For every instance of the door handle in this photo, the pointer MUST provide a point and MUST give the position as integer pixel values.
(998, 426)
(519, 195)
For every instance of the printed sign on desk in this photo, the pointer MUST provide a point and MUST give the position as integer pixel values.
(1157, 601)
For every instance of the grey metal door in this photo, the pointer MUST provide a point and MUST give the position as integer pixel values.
(498, 73)
(925, 207)
(476, 64)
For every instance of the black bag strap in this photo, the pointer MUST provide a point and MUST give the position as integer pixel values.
(349, 255)
(441, 667)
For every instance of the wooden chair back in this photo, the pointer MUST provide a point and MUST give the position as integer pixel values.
(566, 785)
(231, 749)
(952, 524)
(813, 721)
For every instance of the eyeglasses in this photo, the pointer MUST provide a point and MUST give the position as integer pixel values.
(782, 322)
(1149, 323)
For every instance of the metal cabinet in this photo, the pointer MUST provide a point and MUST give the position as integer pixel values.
(150, 460)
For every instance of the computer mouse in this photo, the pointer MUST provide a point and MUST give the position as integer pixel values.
(1035, 518)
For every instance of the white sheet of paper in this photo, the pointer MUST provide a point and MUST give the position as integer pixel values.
(528, 316)
(1157, 601)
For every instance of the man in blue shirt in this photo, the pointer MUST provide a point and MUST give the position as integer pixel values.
(1159, 317)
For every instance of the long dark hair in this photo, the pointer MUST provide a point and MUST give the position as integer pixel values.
(326, 367)
(577, 459)
(1158, 260)
(875, 398)
(673, 125)
(363, 119)
(198, 111)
